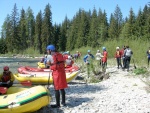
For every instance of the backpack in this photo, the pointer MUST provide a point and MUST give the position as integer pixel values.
(128, 52)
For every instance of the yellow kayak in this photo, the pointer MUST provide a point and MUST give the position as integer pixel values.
(43, 78)
(20, 100)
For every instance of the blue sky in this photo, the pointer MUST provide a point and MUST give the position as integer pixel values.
(62, 8)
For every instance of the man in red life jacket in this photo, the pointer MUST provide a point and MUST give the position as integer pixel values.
(6, 78)
(118, 56)
(56, 62)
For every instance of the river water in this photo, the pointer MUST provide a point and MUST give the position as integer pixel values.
(15, 63)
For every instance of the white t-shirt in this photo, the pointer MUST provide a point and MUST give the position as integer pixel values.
(98, 56)
(50, 59)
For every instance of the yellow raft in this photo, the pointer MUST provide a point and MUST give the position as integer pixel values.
(41, 65)
(43, 78)
(20, 100)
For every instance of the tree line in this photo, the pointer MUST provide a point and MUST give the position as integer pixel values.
(87, 28)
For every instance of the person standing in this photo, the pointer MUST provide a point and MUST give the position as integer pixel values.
(118, 56)
(69, 62)
(148, 56)
(87, 58)
(6, 77)
(123, 58)
(104, 58)
(98, 56)
(57, 65)
(127, 54)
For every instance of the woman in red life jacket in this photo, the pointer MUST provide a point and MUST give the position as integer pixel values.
(69, 62)
(104, 58)
(118, 55)
(57, 65)
(6, 78)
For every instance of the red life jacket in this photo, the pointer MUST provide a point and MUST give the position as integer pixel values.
(6, 77)
(104, 59)
(58, 74)
(58, 62)
(118, 54)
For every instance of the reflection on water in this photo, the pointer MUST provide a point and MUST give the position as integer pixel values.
(15, 63)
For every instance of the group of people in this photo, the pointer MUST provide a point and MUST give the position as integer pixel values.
(123, 55)
(57, 62)
(67, 58)
(100, 57)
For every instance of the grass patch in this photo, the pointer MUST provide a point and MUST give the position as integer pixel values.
(140, 71)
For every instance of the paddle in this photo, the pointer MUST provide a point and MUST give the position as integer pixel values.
(3, 90)
(26, 83)
(134, 64)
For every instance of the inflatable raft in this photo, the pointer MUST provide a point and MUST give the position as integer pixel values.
(42, 78)
(24, 100)
(32, 70)
(41, 65)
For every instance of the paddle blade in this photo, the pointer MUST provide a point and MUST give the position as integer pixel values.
(26, 83)
(3, 90)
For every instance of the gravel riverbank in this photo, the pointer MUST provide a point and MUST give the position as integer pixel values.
(121, 93)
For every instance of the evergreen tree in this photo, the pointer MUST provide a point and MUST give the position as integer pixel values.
(138, 24)
(111, 29)
(83, 30)
(15, 39)
(38, 32)
(6, 33)
(30, 27)
(57, 37)
(62, 34)
(47, 29)
(22, 33)
(118, 21)
(93, 37)
(131, 24)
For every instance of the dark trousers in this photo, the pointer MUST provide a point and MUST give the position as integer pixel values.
(123, 62)
(119, 62)
(148, 59)
(57, 96)
(127, 62)
(7, 85)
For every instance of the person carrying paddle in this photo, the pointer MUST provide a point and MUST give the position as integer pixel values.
(148, 56)
(118, 56)
(57, 65)
(6, 78)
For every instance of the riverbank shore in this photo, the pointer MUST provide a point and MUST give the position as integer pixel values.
(121, 93)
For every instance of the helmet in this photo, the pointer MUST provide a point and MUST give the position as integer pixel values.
(6, 68)
(104, 48)
(98, 50)
(117, 47)
(51, 47)
(88, 51)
